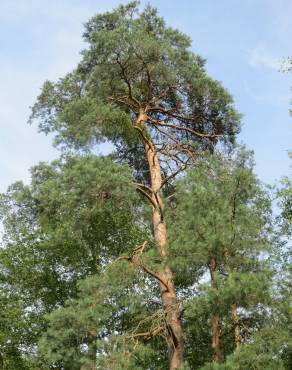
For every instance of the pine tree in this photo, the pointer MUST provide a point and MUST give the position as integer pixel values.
(223, 217)
(140, 87)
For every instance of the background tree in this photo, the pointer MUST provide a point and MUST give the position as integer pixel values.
(77, 215)
(15, 325)
(224, 220)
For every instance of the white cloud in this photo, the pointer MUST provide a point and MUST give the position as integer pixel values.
(260, 57)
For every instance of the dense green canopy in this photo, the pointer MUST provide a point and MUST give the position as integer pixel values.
(133, 62)
(76, 215)
(224, 220)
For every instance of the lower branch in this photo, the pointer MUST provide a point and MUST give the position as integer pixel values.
(135, 258)
(147, 335)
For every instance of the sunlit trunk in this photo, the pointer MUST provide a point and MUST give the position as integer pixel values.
(168, 295)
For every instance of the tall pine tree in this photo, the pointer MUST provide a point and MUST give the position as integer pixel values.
(139, 86)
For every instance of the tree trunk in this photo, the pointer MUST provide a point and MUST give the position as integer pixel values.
(234, 313)
(168, 295)
(217, 356)
(236, 322)
(216, 334)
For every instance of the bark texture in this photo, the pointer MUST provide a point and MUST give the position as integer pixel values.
(168, 295)
(217, 355)
(216, 327)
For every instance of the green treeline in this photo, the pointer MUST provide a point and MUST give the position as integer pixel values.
(164, 254)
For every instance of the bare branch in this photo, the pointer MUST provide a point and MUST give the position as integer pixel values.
(158, 98)
(143, 136)
(154, 275)
(172, 114)
(147, 334)
(133, 258)
(146, 187)
(123, 100)
(183, 128)
(170, 137)
(147, 196)
(170, 177)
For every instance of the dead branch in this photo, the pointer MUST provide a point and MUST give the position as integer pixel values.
(148, 334)
(147, 196)
(187, 129)
(171, 176)
(134, 258)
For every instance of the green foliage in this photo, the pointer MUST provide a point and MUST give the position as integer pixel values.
(221, 213)
(220, 207)
(76, 291)
(266, 351)
(69, 235)
(14, 324)
(107, 312)
(77, 215)
(134, 60)
(134, 63)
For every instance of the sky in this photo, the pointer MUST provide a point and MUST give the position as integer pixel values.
(244, 43)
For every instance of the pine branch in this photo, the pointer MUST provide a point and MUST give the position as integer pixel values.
(148, 334)
(147, 196)
(143, 136)
(133, 258)
(170, 177)
(187, 129)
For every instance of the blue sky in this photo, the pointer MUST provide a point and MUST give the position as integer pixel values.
(244, 43)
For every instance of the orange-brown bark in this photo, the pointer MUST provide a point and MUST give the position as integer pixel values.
(168, 295)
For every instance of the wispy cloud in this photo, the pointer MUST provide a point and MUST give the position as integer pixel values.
(260, 57)
(268, 96)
